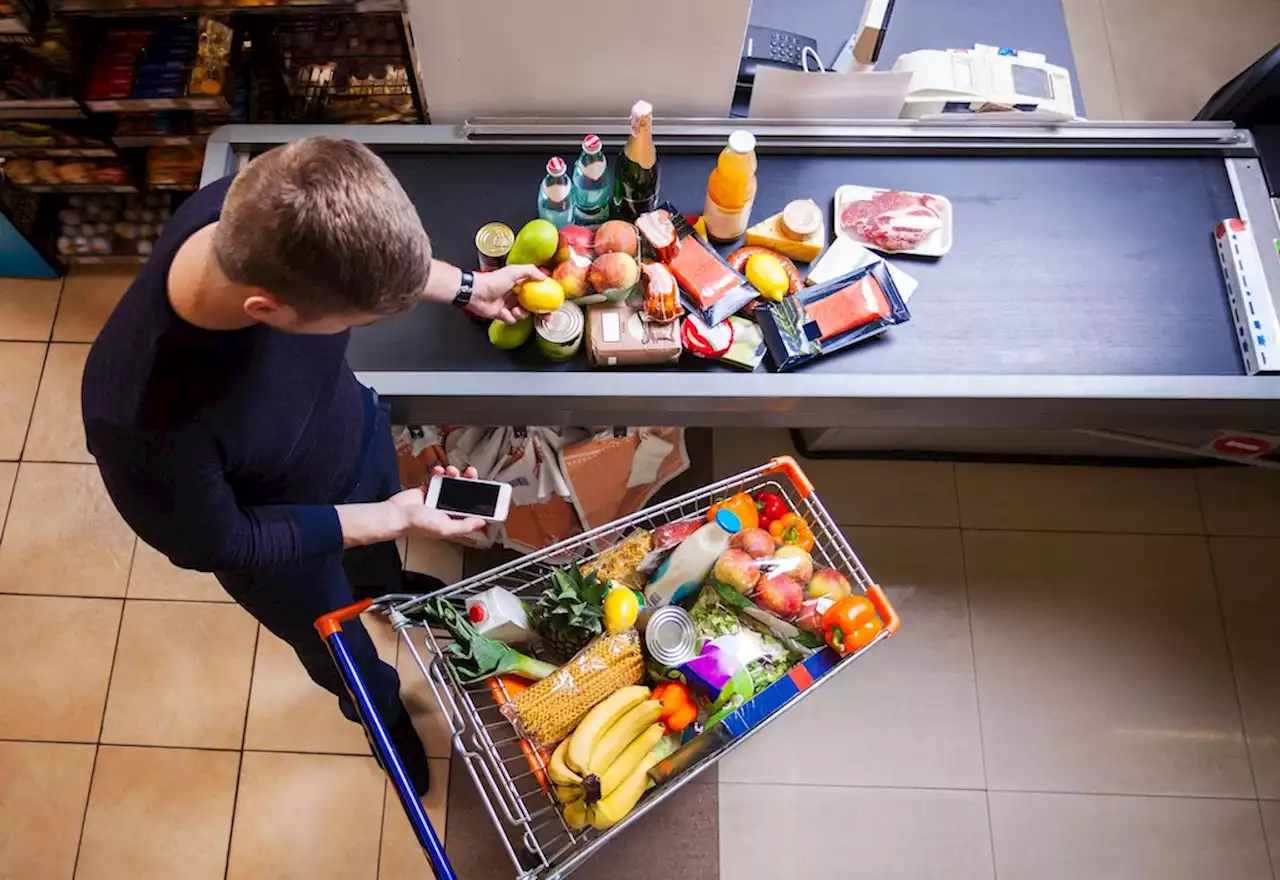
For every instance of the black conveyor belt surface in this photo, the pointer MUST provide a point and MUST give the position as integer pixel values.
(1061, 265)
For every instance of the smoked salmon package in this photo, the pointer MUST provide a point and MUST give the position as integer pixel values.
(826, 318)
(712, 289)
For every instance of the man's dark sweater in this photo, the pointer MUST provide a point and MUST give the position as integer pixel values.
(223, 450)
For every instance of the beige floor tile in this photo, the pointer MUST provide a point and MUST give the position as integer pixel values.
(1052, 836)
(857, 493)
(1215, 41)
(790, 831)
(87, 301)
(910, 704)
(181, 675)
(1099, 98)
(1240, 500)
(428, 720)
(1249, 585)
(43, 787)
(1084, 499)
(20, 365)
(63, 535)
(56, 658)
(153, 576)
(1271, 824)
(309, 817)
(57, 432)
(191, 791)
(289, 712)
(1102, 666)
(8, 474)
(439, 558)
(402, 857)
(27, 306)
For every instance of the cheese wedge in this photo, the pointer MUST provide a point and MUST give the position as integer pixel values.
(771, 233)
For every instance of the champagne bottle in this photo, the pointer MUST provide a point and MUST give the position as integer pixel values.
(635, 189)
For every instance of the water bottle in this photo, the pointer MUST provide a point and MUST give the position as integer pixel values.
(555, 204)
(591, 188)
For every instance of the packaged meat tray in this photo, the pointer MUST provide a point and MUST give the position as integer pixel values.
(893, 221)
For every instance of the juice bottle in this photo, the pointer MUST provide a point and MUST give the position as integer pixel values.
(591, 189)
(555, 204)
(731, 189)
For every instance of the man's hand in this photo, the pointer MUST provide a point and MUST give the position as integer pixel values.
(418, 519)
(493, 296)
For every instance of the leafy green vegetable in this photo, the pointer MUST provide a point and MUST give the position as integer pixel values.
(475, 656)
(714, 615)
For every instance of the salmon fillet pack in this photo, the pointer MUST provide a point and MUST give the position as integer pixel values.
(712, 289)
(820, 320)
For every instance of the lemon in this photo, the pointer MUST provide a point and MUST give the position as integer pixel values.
(621, 608)
(541, 296)
(766, 275)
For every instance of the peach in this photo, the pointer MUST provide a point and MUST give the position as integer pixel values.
(613, 272)
(793, 561)
(574, 240)
(572, 275)
(617, 237)
(779, 594)
(757, 542)
(827, 583)
(737, 569)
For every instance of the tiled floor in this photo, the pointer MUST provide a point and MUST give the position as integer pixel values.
(1085, 685)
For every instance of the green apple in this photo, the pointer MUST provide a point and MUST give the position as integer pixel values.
(509, 336)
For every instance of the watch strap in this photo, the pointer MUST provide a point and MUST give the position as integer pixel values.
(466, 287)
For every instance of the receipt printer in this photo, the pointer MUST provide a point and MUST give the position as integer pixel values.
(985, 79)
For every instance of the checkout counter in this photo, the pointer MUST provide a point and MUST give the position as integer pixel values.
(1081, 307)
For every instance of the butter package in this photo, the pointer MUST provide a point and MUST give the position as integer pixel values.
(617, 336)
(824, 319)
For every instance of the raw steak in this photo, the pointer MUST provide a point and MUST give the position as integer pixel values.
(892, 220)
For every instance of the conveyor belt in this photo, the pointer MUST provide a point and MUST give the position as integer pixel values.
(1061, 265)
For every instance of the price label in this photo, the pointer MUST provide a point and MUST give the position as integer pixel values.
(1242, 444)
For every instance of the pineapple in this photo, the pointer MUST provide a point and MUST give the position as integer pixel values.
(569, 614)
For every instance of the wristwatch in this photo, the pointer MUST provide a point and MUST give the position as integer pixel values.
(465, 288)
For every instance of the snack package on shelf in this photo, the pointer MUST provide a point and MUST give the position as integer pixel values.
(174, 167)
(112, 225)
(551, 709)
(829, 317)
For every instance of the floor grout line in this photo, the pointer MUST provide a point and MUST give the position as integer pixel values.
(31, 415)
(946, 788)
(231, 830)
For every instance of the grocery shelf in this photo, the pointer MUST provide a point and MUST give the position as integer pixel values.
(104, 259)
(152, 105)
(172, 187)
(13, 26)
(42, 108)
(72, 188)
(57, 152)
(131, 8)
(126, 141)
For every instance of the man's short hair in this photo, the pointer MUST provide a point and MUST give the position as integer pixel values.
(323, 225)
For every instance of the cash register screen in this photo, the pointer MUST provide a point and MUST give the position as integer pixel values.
(1031, 81)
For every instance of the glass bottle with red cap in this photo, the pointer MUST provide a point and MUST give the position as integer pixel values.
(591, 190)
(555, 203)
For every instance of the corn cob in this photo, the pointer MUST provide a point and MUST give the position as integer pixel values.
(550, 710)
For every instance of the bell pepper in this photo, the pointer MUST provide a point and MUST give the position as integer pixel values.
(770, 506)
(741, 505)
(851, 624)
(678, 708)
(791, 528)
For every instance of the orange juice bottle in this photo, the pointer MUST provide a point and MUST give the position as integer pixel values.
(731, 189)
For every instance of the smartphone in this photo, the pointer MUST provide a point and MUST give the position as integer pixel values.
(483, 498)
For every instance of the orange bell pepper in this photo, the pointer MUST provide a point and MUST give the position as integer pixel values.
(851, 624)
(742, 505)
(678, 708)
(791, 528)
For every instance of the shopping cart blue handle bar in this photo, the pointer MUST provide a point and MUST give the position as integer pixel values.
(331, 629)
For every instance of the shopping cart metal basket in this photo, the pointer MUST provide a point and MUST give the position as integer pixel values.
(508, 772)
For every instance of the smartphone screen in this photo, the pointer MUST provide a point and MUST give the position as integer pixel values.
(468, 496)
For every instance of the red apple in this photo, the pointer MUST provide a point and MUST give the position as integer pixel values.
(613, 272)
(779, 594)
(792, 561)
(572, 275)
(737, 569)
(827, 583)
(757, 542)
(575, 240)
(617, 237)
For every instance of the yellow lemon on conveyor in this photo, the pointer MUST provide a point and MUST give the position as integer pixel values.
(766, 274)
(541, 296)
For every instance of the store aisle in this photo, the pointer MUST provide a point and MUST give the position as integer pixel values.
(1084, 684)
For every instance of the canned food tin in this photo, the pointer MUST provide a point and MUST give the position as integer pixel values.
(670, 637)
(560, 332)
(493, 243)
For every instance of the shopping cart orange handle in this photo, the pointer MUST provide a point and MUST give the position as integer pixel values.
(328, 624)
(884, 608)
(786, 464)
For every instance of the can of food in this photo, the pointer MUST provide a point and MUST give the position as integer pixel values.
(493, 243)
(670, 637)
(560, 332)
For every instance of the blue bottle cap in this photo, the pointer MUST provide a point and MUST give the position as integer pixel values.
(728, 520)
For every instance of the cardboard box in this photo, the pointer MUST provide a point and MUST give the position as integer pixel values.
(618, 337)
(1252, 307)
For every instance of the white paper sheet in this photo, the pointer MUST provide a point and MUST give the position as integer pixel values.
(794, 94)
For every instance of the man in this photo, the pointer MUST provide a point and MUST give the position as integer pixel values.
(230, 432)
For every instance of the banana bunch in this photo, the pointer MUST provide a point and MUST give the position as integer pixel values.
(601, 770)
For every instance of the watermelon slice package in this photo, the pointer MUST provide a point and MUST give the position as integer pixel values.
(820, 320)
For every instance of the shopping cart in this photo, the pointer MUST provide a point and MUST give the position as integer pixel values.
(508, 772)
